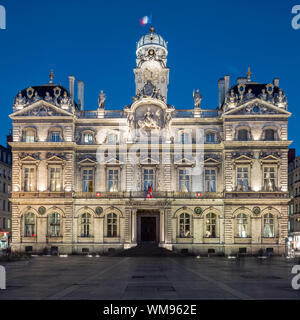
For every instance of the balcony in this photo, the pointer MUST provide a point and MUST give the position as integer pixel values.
(37, 194)
(257, 195)
(155, 194)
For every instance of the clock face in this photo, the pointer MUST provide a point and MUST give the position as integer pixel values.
(151, 52)
(151, 74)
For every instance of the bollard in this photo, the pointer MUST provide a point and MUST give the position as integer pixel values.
(2, 278)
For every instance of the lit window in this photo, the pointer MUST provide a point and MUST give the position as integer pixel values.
(29, 230)
(55, 179)
(112, 138)
(148, 179)
(113, 180)
(55, 136)
(242, 225)
(86, 225)
(185, 225)
(54, 224)
(210, 180)
(112, 225)
(29, 136)
(88, 180)
(211, 223)
(269, 226)
(8, 223)
(269, 179)
(184, 180)
(88, 138)
(29, 179)
(242, 179)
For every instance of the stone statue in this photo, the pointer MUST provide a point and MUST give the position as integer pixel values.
(249, 94)
(20, 101)
(48, 98)
(197, 98)
(263, 95)
(36, 97)
(281, 99)
(101, 100)
(65, 101)
(148, 122)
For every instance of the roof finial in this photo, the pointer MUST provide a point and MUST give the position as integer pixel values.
(249, 73)
(152, 29)
(51, 76)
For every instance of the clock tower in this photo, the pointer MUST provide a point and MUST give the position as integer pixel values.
(151, 63)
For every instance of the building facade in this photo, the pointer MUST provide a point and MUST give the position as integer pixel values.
(5, 193)
(294, 209)
(196, 179)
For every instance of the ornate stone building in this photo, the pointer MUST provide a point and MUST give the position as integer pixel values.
(294, 188)
(203, 180)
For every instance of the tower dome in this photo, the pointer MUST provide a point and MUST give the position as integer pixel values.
(152, 38)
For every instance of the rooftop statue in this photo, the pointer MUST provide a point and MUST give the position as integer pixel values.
(197, 98)
(101, 100)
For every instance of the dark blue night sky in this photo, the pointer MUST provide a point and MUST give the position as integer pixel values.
(96, 40)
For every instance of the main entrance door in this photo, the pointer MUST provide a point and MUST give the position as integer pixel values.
(148, 229)
(147, 225)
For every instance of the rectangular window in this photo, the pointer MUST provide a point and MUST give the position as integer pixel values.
(87, 180)
(4, 205)
(55, 179)
(184, 180)
(210, 180)
(113, 180)
(269, 179)
(148, 179)
(242, 179)
(4, 223)
(29, 179)
(29, 137)
(55, 136)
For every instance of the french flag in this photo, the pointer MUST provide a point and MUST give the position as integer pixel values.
(149, 193)
(145, 20)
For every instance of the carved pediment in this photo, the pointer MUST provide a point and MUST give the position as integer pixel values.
(257, 107)
(211, 161)
(58, 156)
(87, 162)
(41, 109)
(148, 160)
(29, 156)
(243, 159)
(270, 159)
(184, 161)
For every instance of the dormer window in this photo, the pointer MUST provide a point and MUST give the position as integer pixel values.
(55, 136)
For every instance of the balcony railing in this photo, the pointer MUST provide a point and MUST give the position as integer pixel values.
(110, 114)
(155, 194)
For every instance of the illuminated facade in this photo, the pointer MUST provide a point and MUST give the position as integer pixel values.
(203, 180)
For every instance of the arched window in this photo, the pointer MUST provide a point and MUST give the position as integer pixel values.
(54, 225)
(112, 138)
(210, 137)
(185, 225)
(29, 135)
(269, 135)
(88, 138)
(242, 225)
(86, 225)
(29, 225)
(112, 225)
(269, 226)
(242, 135)
(211, 225)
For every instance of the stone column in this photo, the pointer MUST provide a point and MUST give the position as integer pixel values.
(162, 226)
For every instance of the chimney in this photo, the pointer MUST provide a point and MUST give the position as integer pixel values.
(71, 86)
(221, 85)
(9, 138)
(227, 84)
(81, 94)
(291, 155)
(241, 80)
(276, 82)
